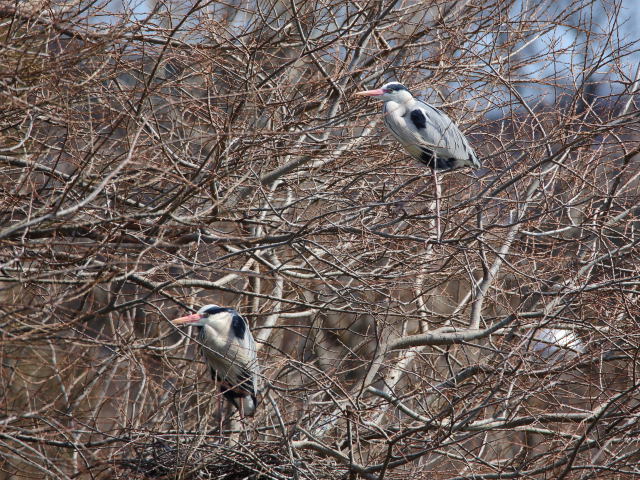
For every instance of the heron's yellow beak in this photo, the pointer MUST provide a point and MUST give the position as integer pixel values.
(370, 93)
(188, 319)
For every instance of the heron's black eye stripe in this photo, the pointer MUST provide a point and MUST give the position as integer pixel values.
(395, 87)
(214, 310)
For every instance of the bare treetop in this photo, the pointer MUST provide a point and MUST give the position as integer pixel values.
(161, 156)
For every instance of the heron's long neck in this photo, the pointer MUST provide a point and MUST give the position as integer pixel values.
(394, 108)
(398, 108)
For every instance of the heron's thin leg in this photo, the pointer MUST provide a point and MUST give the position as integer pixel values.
(438, 194)
(218, 394)
(220, 412)
(242, 420)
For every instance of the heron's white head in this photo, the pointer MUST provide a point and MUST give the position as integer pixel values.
(206, 315)
(390, 92)
(224, 321)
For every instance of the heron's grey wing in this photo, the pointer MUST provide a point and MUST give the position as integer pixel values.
(246, 343)
(231, 365)
(427, 132)
(433, 127)
(416, 136)
(252, 356)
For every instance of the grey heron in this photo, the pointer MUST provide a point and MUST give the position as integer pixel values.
(230, 352)
(426, 133)
(556, 344)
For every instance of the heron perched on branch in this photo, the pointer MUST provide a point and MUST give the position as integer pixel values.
(230, 352)
(426, 133)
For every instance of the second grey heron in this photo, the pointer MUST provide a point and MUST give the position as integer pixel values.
(426, 133)
(230, 352)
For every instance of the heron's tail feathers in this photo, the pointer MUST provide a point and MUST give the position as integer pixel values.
(244, 403)
(477, 163)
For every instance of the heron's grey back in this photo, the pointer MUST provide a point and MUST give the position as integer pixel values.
(233, 360)
(424, 129)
